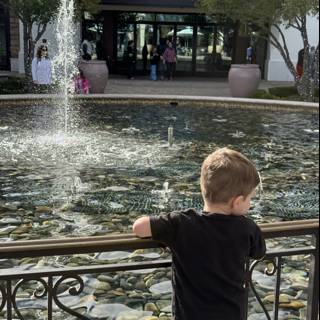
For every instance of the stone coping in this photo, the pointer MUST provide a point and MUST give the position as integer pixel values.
(136, 99)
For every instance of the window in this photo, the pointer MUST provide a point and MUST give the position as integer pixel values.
(187, 18)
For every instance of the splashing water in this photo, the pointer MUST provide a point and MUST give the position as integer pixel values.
(65, 63)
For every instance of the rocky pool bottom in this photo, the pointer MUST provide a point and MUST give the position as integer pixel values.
(116, 164)
(146, 294)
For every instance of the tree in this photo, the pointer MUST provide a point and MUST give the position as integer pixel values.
(40, 13)
(270, 17)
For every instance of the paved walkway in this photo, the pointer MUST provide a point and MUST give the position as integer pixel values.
(180, 86)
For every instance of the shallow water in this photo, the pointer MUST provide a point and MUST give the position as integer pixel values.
(116, 164)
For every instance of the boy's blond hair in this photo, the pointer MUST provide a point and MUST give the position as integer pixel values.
(226, 174)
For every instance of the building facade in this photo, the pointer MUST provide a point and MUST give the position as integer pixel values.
(205, 45)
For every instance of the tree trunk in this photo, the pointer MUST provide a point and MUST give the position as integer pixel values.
(303, 84)
(309, 81)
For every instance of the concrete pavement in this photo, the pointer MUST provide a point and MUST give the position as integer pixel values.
(179, 86)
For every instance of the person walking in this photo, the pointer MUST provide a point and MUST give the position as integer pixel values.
(170, 58)
(42, 69)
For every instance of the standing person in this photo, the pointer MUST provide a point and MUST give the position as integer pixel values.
(99, 49)
(162, 66)
(85, 55)
(87, 48)
(81, 83)
(299, 67)
(250, 54)
(45, 43)
(170, 58)
(145, 57)
(131, 59)
(42, 69)
(211, 247)
(155, 59)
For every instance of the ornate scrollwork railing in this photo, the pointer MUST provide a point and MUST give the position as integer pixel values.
(50, 280)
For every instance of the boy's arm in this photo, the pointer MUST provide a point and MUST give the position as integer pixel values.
(142, 228)
(258, 245)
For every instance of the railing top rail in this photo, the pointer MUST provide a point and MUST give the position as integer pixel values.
(53, 247)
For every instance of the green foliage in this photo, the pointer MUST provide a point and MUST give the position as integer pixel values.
(261, 12)
(280, 93)
(91, 6)
(44, 11)
(284, 92)
(34, 11)
(13, 86)
(262, 94)
(17, 85)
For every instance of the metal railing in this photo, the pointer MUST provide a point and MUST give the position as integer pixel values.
(51, 279)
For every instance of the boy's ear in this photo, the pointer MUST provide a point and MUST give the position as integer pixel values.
(236, 201)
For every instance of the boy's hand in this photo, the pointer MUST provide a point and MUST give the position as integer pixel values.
(142, 228)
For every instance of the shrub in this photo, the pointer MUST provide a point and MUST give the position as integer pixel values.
(262, 94)
(13, 86)
(289, 93)
(283, 92)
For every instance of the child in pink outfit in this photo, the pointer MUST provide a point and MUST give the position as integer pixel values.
(81, 83)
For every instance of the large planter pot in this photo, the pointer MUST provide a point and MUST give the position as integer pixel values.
(96, 71)
(244, 79)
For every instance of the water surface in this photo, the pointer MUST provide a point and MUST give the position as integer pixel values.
(115, 164)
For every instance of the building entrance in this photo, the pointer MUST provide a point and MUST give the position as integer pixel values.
(205, 46)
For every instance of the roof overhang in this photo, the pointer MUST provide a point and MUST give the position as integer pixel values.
(166, 6)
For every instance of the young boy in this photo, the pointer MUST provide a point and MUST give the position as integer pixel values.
(155, 59)
(210, 248)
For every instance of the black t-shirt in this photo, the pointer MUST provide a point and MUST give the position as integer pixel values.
(209, 253)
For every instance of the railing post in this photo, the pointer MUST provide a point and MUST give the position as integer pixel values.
(9, 300)
(313, 295)
(278, 288)
(247, 287)
(50, 298)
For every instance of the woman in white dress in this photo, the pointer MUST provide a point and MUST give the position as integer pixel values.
(42, 68)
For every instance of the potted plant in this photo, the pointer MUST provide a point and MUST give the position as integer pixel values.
(96, 71)
(244, 79)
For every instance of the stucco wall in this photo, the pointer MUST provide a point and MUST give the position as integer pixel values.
(276, 68)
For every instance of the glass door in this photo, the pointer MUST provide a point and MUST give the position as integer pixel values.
(165, 33)
(144, 43)
(184, 47)
(125, 33)
(214, 49)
